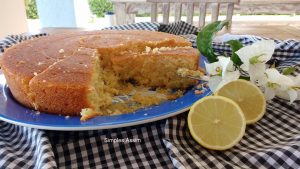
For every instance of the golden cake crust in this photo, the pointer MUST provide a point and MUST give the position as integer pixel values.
(31, 68)
(63, 87)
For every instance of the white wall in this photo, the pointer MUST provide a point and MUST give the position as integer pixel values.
(12, 17)
(82, 12)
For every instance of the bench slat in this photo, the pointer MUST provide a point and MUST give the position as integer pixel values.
(166, 12)
(190, 13)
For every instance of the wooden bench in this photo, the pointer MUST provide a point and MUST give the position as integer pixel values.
(202, 8)
(127, 9)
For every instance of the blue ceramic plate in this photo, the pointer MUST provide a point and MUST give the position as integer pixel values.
(13, 112)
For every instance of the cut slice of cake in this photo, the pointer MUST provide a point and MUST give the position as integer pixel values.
(70, 85)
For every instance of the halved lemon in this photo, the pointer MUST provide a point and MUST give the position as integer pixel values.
(248, 96)
(216, 122)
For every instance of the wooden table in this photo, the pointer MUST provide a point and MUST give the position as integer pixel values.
(271, 29)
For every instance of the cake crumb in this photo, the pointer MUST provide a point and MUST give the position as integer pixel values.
(184, 72)
(37, 113)
(147, 49)
(20, 63)
(35, 106)
(165, 48)
(155, 50)
(40, 63)
(109, 111)
(117, 112)
(198, 91)
(35, 74)
(61, 51)
(199, 86)
(81, 40)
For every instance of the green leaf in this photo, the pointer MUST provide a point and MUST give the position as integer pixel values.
(205, 37)
(235, 46)
(288, 70)
(245, 77)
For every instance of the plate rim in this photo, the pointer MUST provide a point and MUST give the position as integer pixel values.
(95, 127)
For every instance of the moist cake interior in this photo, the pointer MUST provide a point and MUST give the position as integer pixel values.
(131, 73)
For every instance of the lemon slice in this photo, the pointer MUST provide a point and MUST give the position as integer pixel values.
(248, 96)
(216, 122)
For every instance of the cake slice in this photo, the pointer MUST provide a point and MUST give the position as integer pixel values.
(70, 85)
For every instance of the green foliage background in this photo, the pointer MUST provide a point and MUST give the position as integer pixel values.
(31, 10)
(99, 7)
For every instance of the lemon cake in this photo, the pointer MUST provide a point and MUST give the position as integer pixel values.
(67, 73)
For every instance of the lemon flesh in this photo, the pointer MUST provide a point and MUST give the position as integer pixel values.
(248, 96)
(216, 122)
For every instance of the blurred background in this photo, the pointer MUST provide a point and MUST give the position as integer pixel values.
(34, 16)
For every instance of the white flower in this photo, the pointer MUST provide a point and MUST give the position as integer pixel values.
(213, 68)
(294, 92)
(259, 52)
(283, 81)
(257, 73)
(296, 80)
(222, 72)
(254, 58)
(280, 85)
(291, 95)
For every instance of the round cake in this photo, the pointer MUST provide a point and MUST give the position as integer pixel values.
(66, 73)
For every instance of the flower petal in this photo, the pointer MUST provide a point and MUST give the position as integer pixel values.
(264, 49)
(297, 81)
(214, 82)
(293, 95)
(257, 72)
(288, 96)
(225, 63)
(267, 48)
(274, 76)
(230, 76)
(269, 93)
(212, 67)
